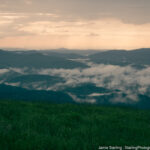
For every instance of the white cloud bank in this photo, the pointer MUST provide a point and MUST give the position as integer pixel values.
(126, 79)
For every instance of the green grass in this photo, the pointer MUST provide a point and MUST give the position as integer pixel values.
(46, 126)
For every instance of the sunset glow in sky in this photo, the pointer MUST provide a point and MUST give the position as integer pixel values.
(75, 24)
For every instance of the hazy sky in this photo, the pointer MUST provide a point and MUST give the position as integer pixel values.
(80, 24)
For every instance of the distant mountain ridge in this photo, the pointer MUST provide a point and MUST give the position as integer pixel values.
(138, 58)
(100, 77)
(35, 59)
(62, 59)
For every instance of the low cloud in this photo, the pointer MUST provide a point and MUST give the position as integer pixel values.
(127, 79)
(80, 100)
(2, 71)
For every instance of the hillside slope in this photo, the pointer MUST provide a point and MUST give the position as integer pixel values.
(46, 126)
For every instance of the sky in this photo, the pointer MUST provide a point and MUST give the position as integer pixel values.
(75, 24)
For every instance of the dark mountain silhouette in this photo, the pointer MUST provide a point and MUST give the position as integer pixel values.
(138, 58)
(35, 59)
(16, 93)
(35, 78)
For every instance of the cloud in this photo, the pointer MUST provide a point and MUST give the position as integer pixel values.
(134, 11)
(79, 34)
(104, 27)
(80, 100)
(9, 25)
(2, 71)
(86, 24)
(126, 79)
(28, 2)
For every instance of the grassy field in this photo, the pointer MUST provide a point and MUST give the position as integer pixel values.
(46, 126)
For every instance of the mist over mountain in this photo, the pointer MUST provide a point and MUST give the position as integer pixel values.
(112, 77)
